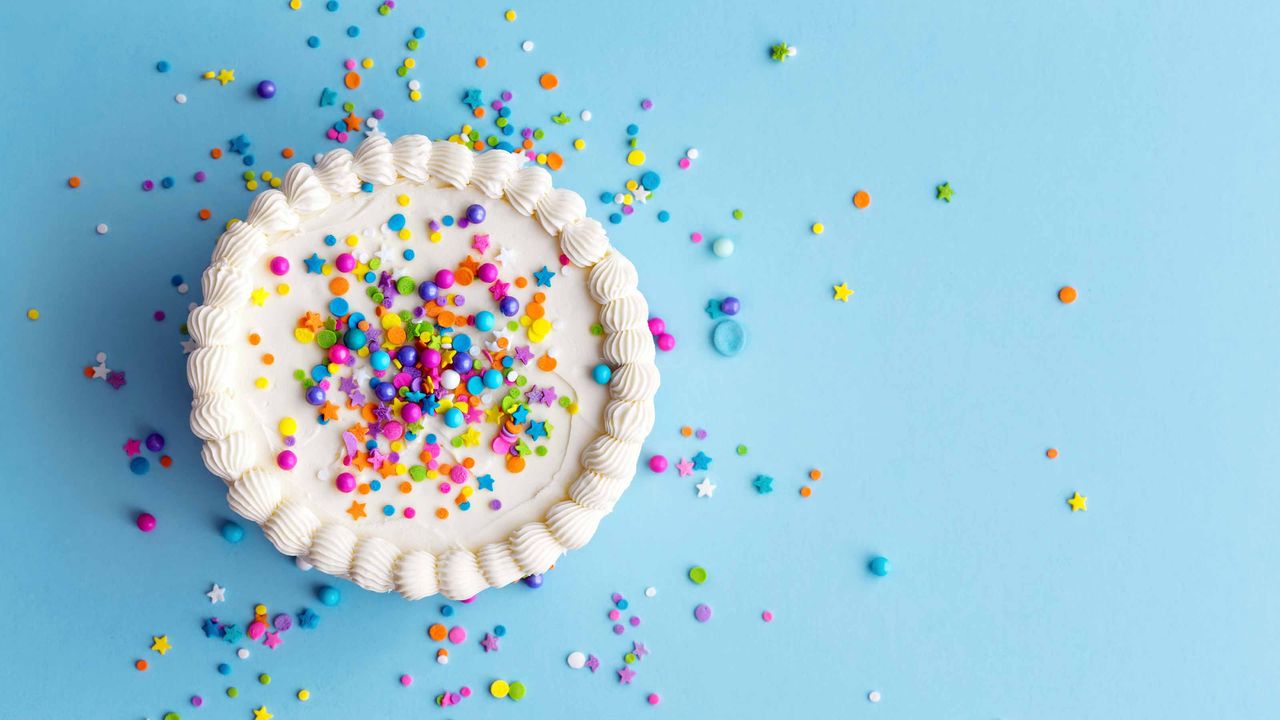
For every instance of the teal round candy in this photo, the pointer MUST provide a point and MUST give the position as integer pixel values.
(880, 566)
(728, 337)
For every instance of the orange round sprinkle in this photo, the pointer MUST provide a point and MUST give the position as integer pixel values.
(396, 335)
(546, 363)
(363, 325)
(468, 463)
(437, 631)
(268, 359)
(351, 80)
(515, 463)
(1051, 453)
(463, 276)
(478, 146)
(165, 461)
(339, 286)
(406, 487)
(442, 513)
(861, 199)
(815, 474)
(254, 338)
(555, 161)
(446, 318)
(522, 282)
(535, 311)
(363, 488)
(88, 372)
(548, 81)
(478, 112)
(482, 61)
(141, 665)
(286, 153)
(215, 153)
(73, 181)
(539, 297)
(686, 431)
(1067, 295)
(204, 214)
(806, 491)
(527, 144)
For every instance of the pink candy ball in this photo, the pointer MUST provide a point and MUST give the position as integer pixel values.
(657, 325)
(346, 482)
(287, 460)
(666, 342)
(393, 430)
(658, 463)
(767, 616)
(346, 262)
(458, 474)
(457, 634)
(444, 279)
(431, 358)
(465, 691)
(279, 265)
(406, 680)
(411, 413)
(654, 699)
(487, 272)
(339, 354)
(256, 629)
(146, 522)
(410, 513)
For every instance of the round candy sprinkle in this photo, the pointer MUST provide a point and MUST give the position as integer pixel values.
(232, 532)
(266, 89)
(224, 669)
(527, 46)
(264, 679)
(304, 695)
(658, 463)
(1067, 295)
(728, 337)
(654, 698)
(730, 305)
(163, 66)
(279, 266)
(874, 696)
(406, 680)
(576, 660)
(880, 566)
(457, 634)
(499, 688)
(722, 247)
(702, 612)
(650, 591)
(602, 374)
(862, 199)
(698, 574)
(548, 81)
(287, 460)
(155, 442)
(767, 616)
(329, 595)
(666, 342)
(140, 465)
(517, 690)
(243, 654)
(1051, 453)
(102, 229)
(146, 522)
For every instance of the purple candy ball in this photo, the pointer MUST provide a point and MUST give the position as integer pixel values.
(346, 482)
(155, 442)
(444, 279)
(462, 362)
(266, 89)
(428, 291)
(411, 413)
(385, 391)
(475, 214)
(534, 580)
(730, 305)
(509, 306)
(315, 395)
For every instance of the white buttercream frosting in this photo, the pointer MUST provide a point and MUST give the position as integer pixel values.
(270, 213)
(240, 245)
(333, 549)
(584, 242)
(451, 163)
(227, 457)
(411, 154)
(625, 313)
(629, 346)
(256, 494)
(335, 173)
(291, 527)
(598, 492)
(494, 170)
(215, 416)
(211, 325)
(629, 420)
(498, 565)
(303, 190)
(559, 208)
(224, 286)
(612, 278)
(611, 457)
(635, 382)
(373, 568)
(526, 187)
(573, 525)
(373, 161)
(416, 575)
(459, 574)
(534, 548)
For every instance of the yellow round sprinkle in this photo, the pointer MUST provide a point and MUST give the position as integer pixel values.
(541, 326)
(635, 157)
(295, 4)
(266, 175)
(251, 185)
(632, 185)
(353, 240)
(404, 234)
(366, 63)
(410, 62)
(397, 446)
(402, 200)
(260, 383)
(33, 314)
(435, 237)
(628, 199)
(817, 228)
(304, 695)
(573, 409)
(579, 144)
(275, 182)
(288, 426)
(282, 289)
(259, 609)
(525, 320)
(415, 95)
(499, 688)
(510, 15)
(303, 335)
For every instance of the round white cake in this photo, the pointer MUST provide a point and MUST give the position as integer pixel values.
(421, 368)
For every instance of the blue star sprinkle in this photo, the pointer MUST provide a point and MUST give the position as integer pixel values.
(701, 461)
(473, 98)
(543, 277)
(763, 484)
(314, 264)
(537, 430)
(239, 143)
(485, 482)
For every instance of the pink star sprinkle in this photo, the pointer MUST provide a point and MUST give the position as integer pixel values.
(132, 447)
(684, 467)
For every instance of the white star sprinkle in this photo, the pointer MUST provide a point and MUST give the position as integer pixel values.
(188, 346)
(217, 594)
(507, 256)
(706, 488)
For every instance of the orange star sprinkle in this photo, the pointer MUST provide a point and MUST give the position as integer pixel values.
(329, 411)
(356, 511)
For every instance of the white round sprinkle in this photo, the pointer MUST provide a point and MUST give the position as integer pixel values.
(791, 51)
(180, 98)
(183, 288)
(372, 123)
(650, 591)
(691, 153)
(527, 46)
(102, 228)
(618, 198)
(585, 115)
(414, 85)
(874, 696)
(576, 660)
(442, 659)
(302, 564)
(192, 306)
(101, 357)
(316, 158)
(243, 653)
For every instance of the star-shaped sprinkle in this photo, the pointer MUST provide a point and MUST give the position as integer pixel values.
(259, 296)
(713, 309)
(472, 98)
(315, 265)
(225, 76)
(489, 643)
(232, 633)
(272, 640)
(537, 430)
(328, 97)
(308, 619)
(701, 461)
(329, 411)
(211, 628)
(593, 663)
(520, 413)
(1077, 502)
(842, 292)
(160, 644)
(706, 488)
(507, 255)
(100, 371)
(480, 243)
(132, 447)
(763, 484)
(543, 277)
(499, 289)
(548, 396)
(217, 594)
(561, 119)
(115, 379)
(638, 649)
(485, 482)
(353, 122)
(780, 52)
(684, 468)
(239, 144)
(524, 354)
(625, 675)
(471, 437)
(188, 347)
(945, 193)
(356, 511)
(262, 714)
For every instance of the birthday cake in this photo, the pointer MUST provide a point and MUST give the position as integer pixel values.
(421, 367)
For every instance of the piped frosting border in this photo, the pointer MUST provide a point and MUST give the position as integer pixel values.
(256, 489)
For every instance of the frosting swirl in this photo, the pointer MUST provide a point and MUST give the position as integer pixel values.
(270, 213)
(335, 173)
(527, 187)
(255, 495)
(240, 245)
(612, 278)
(451, 163)
(416, 575)
(411, 154)
(333, 549)
(373, 161)
(559, 208)
(373, 566)
(584, 242)
(291, 527)
(303, 190)
(494, 170)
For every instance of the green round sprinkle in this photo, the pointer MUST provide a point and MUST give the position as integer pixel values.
(348, 106)
(375, 263)
(629, 658)
(521, 381)
(597, 329)
(232, 692)
(172, 716)
(405, 285)
(698, 574)
(516, 691)
(565, 401)
(402, 71)
(501, 122)
(326, 339)
(742, 449)
(264, 679)
(299, 375)
(513, 325)
(491, 141)
(541, 451)
(538, 134)
(417, 472)
(737, 214)
(249, 175)
(412, 44)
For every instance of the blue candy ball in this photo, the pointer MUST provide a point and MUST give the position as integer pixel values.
(355, 339)
(380, 360)
(224, 669)
(880, 566)
(266, 89)
(453, 417)
(329, 595)
(462, 363)
(484, 321)
(140, 465)
(602, 373)
(533, 581)
(232, 532)
(492, 379)
(315, 395)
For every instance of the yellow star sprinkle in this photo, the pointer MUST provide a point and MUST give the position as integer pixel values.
(1077, 502)
(225, 76)
(160, 644)
(259, 297)
(262, 714)
(471, 437)
(843, 293)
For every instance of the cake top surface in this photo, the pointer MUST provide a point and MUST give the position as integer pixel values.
(423, 352)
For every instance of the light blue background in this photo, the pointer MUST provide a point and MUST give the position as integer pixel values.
(1129, 149)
